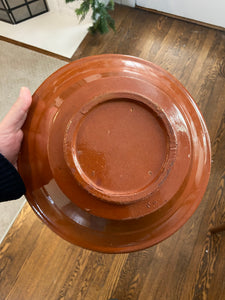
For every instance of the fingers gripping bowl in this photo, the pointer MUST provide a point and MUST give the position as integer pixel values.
(116, 154)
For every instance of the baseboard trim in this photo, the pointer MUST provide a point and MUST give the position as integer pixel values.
(182, 18)
(33, 48)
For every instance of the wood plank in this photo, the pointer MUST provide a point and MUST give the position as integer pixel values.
(36, 264)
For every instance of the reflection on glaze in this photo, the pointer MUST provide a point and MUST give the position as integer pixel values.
(63, 204)
(92, 77)
(144, 145)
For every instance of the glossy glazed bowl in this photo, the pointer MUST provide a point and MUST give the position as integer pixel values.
(116, 154)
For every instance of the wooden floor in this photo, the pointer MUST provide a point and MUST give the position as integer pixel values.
(188, 265)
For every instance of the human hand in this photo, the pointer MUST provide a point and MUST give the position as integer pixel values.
(11, 135)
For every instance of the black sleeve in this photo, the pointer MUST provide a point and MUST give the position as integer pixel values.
(11, 184)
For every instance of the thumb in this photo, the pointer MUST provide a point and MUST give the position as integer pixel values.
(15, 118)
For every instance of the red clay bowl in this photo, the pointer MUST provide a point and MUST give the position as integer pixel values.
(116, 154)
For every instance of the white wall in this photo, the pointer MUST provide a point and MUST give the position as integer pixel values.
(208, 11)
(128, 2)
(62, 6)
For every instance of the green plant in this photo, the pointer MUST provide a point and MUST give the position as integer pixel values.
(102, 21)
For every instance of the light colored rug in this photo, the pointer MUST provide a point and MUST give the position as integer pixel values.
(19, 67)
